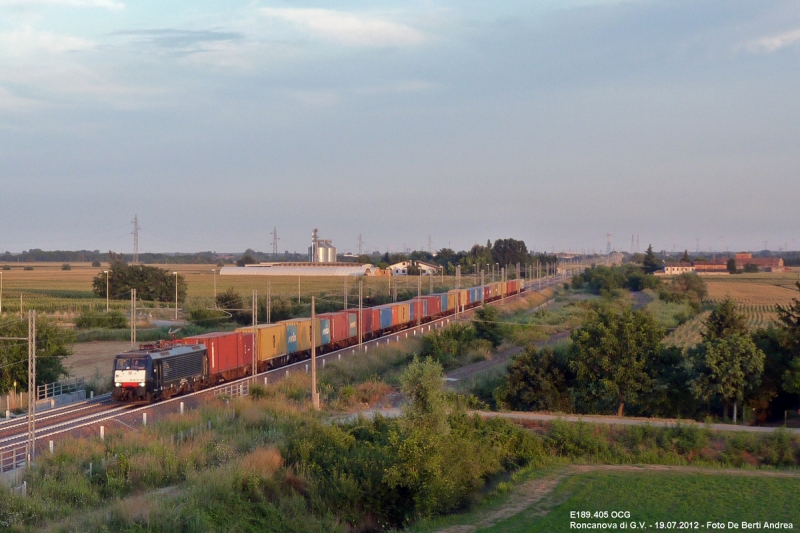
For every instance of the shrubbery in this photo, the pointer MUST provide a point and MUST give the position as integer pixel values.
(96, 319)
(606, 280)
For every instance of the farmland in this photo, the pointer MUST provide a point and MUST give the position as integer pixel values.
(756, 295)
(64, 293)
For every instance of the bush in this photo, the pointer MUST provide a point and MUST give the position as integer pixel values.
(66, 266)
(6, 267)
(96, 264)
(27, 267)
(95, 319)
(446, 345)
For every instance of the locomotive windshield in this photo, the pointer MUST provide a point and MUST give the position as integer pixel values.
(134, 363)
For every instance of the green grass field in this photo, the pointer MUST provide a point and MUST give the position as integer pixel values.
(663, 497)
(649, 496)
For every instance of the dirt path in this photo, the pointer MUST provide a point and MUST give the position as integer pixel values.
(537, 493)
(94, 358)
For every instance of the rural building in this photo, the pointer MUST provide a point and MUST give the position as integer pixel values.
(715, 266)
(401, 268)
(300, 269)
(675, 269)
(764, 264)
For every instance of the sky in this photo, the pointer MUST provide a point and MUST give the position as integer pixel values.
(554, 122)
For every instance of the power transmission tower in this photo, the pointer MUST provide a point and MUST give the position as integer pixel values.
(697, 250)
(430, 244)
(360, 245)
(136, 229)
(632, 248)
(275, 240)
(637, 244)
(608, 243)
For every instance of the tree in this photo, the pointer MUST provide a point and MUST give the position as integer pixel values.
(611, 351)
(731, 266)
(724, 321)
(151, 283)
(789, 323)
(487, 325)
(727, 368)
(650, 262)
(509, 252)
(687, 286)
(422, 384)
(685, 257)
(538, 380)
(53, 346)
(750, 268)
(246, 259)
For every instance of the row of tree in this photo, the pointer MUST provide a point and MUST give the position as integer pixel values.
(617, 361)
(504, 252)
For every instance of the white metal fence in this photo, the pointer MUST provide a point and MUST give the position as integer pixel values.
(13, 458)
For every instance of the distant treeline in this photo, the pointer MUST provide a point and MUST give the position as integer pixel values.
(89, 256)
(504, 252)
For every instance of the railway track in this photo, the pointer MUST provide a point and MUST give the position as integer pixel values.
(84, 418)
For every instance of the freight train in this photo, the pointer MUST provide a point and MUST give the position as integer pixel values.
(162, 370)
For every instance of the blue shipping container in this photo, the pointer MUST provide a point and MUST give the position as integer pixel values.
(291, 338)
(325, 334)
(353, 321)
(444, 301)
(386, 317)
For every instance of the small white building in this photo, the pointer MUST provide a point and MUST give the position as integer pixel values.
(676, 269)
(401, 268)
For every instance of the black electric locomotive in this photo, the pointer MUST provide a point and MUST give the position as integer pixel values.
(159, 371)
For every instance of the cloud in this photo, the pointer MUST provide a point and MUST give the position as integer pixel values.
(348, 28)
(26, 42)
(774, 43)
(108, 4)
(180, 39)
(411, 86)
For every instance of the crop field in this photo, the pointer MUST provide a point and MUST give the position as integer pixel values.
(689, 333)
(49, 289)
(756, 296)
(753, 291)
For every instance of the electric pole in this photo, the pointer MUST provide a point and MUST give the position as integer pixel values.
(133, 318)
(360, 309)
(269, 301)
(345, 293)
(255, 333)
(135, 232)
(275, 240)
(314, 393)
(31, 338)
(31, 386)
(419, 298)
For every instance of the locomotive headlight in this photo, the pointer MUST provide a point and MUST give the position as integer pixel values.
(118, 384)
(141, 384)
